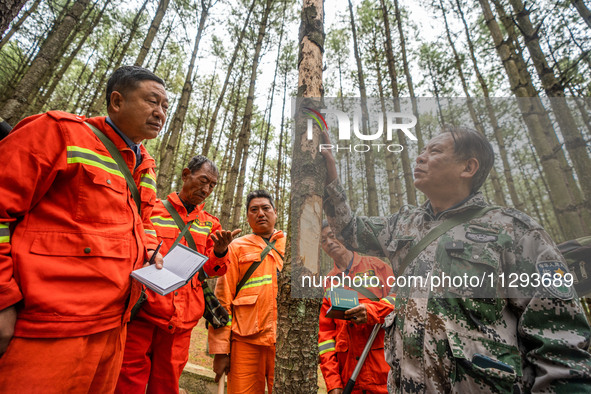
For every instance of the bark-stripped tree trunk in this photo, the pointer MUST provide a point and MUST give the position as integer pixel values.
(168, 150)
(152, 30)
(296, 371)
(565, 193)
(12, 109)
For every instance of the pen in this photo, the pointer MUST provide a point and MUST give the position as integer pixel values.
(153, 258)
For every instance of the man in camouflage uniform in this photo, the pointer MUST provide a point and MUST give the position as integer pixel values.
(467, 339)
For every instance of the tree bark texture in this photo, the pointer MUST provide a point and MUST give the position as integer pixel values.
(168, 150)
(9, 9)
(152, 30)
(537, 124)
(12, 109)
(296, 371)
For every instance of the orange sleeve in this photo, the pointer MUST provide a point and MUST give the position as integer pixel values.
(378, 310)
(32, 156)
(215, 266)
(329, 364)
(225, 291)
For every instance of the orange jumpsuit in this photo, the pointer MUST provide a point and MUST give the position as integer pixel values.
(158, 339)
(340, 342)
(252, 329)
(70, 235)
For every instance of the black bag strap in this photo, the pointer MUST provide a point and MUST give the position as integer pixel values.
(439, 231)
(254, 266)
(116, 155)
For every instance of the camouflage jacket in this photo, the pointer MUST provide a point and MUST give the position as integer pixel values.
(460, 339)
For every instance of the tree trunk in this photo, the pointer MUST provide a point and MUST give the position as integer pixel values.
(296, 371)
(14, 28)
(372, 193)
(244, 136)
(411, 194)
(9, 9)
(264, 157)
(517, 202)
(12, 109)
(168, 150)
(154, 26)
(562, 190)
(409, 82)
(99, 103)
(499, 194)
(225, 84)
(57, 76)
(279, 154)
(583, 11)
(573, 139)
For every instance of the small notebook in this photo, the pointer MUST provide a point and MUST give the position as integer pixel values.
(180, 265)
(341, 300)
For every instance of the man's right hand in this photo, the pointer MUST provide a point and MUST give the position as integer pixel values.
(7, 323)
(221, 364)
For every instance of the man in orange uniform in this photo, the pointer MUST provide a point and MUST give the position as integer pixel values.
(245, 348)
(341, 342)
(70, 235)
(158, 338)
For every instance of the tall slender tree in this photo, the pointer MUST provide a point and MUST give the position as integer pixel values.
(12, 109)
(297, 326)
(152, 30)
(167, 151)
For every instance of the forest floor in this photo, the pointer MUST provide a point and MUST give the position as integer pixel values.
(198, 354)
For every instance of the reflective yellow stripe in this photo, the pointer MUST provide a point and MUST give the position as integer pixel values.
(229, 323)
(150, 232)
(161, 221)
(258, 281)
(148, 181)
(201, 230)
(4, 233)
(80, 155)
(389, 300)
(326, 346)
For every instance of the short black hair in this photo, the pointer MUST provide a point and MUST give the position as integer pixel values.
(198, 161)
(126, 78)
(470, 143)
(259, 194)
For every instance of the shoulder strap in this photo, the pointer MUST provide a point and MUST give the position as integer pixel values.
(116, 155)
(180, 224)
(439, 231)
(254, 266)
(365, 291)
